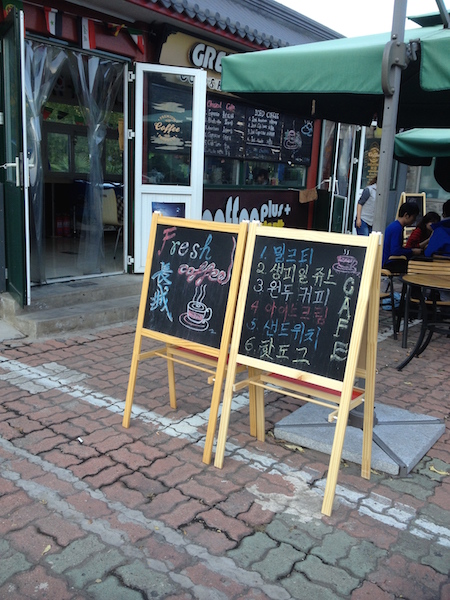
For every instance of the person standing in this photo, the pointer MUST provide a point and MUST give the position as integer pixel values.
(365, 209)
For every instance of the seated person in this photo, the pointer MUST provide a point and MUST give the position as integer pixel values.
(262, 177)
(393, 236)
(439, 242)
(421, 234)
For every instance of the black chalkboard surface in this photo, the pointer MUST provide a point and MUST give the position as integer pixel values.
(263, 138)
(224, 128)
(301, 303)
(189, 282)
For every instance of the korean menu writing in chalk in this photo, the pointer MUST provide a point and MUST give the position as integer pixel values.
(189, 283)
(301, 303)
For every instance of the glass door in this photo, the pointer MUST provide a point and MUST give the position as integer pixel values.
(13, 161)
(340, 182)
(169, 146)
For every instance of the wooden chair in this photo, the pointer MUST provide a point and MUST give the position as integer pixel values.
(110, 215)
(439, 265)
(395, 267)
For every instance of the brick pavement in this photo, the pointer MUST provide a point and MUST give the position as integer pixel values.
(91, 510)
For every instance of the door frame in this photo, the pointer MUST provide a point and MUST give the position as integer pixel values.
(190, 195)
(22, 291)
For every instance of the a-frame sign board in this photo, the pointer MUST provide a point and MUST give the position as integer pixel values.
(188, 302)
(307, 319)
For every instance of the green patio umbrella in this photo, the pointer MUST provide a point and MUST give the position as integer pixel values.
(420, 146)
(401, 79)
(341, 80)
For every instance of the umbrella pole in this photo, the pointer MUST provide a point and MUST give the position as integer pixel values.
(393, 62)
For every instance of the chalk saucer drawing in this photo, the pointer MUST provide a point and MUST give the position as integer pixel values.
(184, 320)
(197, 314)
(346, 264)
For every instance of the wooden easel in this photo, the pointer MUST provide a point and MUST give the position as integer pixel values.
(337, 393)
(164, 317)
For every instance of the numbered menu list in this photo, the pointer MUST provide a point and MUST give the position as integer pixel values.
(264, 130)
(300, 305)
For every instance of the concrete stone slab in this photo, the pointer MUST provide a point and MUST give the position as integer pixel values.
(401, 438)
(8, 332)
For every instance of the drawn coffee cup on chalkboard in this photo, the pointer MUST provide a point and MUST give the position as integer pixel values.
(197, 314)
(346, 264)
(292, 140)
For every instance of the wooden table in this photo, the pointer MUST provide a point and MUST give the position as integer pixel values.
(423, 282)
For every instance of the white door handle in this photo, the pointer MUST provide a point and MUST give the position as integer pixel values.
(16, 165)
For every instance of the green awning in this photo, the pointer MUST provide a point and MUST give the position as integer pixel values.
(340, 79)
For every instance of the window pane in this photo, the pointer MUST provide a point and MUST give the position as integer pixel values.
(221, 171)
(113, 157)
(269, 173)
(167, 134)
(58, 152)
(81, 151)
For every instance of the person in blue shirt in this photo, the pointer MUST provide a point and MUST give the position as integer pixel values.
(393, 236)
(439, 242)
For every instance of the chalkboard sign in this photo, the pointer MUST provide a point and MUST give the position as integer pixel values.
(296, 145)
(188, 302)
(301, 303)
(189, 282)
(306, 324)
(224, 127)
(420, 200)
(263, 137)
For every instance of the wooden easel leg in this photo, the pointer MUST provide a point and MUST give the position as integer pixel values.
(131, 383)
(171, 378)
(260, 415)
(212, 421)
(252, 403)
(367, 436)
(258, 400)
(224, 420)
(371, 367)
(335, 460)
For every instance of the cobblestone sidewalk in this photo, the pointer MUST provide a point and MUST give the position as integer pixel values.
(89, 509)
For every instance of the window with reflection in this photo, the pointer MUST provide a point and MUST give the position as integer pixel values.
(58, 147)
(270, 173)
(167, 130)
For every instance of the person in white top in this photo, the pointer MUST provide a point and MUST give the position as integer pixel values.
(365, 209)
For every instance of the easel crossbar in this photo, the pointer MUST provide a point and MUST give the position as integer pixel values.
(328, 402)
(193, 364)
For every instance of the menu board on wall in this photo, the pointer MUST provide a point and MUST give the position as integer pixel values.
(234, 130)
(296, 145)
(224, 128)
(263, 139)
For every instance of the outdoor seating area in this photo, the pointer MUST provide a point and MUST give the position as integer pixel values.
(428, 279)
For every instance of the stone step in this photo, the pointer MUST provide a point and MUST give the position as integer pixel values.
(75, 306)
(77, 317)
